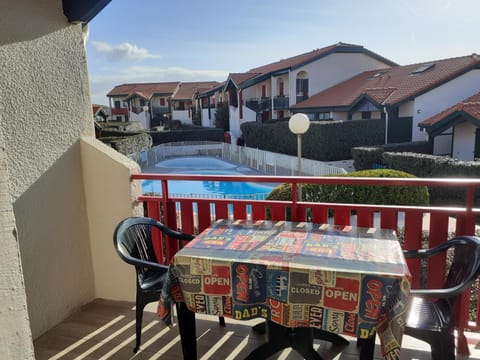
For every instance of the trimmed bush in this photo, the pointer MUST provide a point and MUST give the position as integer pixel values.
(359, 194)
(369, 157)
(431, 166)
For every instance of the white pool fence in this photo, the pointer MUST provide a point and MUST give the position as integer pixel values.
(266, 161)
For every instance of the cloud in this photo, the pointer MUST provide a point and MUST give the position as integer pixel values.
(102, 83)
(122, 52)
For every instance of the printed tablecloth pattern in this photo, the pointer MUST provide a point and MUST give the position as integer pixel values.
(342, 279)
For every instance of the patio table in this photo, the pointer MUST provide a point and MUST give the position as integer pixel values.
(300, 277)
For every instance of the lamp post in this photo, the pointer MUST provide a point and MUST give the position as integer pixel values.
(299, 124)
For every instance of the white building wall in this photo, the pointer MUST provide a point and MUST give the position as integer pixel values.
(206, 120)
(407, 109)
(442, 144)
(41, 133)
(181, 115)
(339, 115)
(331, 70)
(443, 97)
(464, 141)
(143, 118)
(234, 120)
(250, 93)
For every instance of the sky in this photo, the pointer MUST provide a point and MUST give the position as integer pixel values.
(205, 40)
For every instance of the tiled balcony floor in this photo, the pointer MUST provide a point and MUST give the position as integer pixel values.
(106, 330)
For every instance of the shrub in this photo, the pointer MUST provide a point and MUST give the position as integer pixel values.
(359, 194)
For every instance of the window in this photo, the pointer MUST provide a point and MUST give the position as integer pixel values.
(162, 101)
(366, 115)
(117, 104)
(324, 116)
(302, 87)
(377, 75)
(142, 102)
(422, 68)
(119, 118)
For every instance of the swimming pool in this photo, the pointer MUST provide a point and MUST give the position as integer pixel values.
(206, 165)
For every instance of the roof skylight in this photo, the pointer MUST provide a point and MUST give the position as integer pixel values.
(377, 75)
(422, 68)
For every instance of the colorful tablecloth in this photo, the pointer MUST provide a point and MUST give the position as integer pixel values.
(342, 279)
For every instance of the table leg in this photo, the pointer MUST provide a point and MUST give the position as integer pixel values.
(188, 337)
(333, 338)
(367, 347)
(280, 337)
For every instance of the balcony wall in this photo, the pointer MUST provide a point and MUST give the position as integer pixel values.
(43, 159)
(110, 197)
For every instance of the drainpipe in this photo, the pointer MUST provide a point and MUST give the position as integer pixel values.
(385, 111)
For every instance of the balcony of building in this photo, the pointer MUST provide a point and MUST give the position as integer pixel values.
(105, 329)
(259, 104)
(281, 103)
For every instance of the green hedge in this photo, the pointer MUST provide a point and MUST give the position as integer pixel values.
(359, 194)
(431, 166)
(369, 157)
(324, 140)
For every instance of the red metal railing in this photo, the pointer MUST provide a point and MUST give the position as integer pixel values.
(192, 215)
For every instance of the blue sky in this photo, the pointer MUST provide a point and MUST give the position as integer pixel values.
(193, 40)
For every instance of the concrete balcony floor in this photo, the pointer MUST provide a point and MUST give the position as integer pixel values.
(106, 330)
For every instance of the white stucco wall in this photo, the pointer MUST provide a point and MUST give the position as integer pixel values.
(406, 109)
(234, 120)
(442, 97)
(208, 121)
(15, 335)
(181, 115)
(143, 118)
(464, 141)
(331, 70)
(45, 105)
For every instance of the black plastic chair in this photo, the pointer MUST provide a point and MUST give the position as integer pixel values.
(431, 312)
(133, 241)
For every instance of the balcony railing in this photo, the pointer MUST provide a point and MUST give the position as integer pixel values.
(301, 98)
(281, 102)
(119, 111)
(193, 215)
(258, 105)
(160, 110)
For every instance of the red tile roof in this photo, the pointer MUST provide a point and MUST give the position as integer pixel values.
(208, 92)
(95, 108)
(391, 85)
(186, 90)
(146, 90)
(470, 106)
(238, 78)
(302, 59)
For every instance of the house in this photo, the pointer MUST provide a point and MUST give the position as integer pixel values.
(269, 91)
(208, 102)
(62, 190)
(99, 113)
(148, 103)
(456, 131)
(183, 100)
(403, 96)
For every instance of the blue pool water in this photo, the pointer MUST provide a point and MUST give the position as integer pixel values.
(205, 165)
